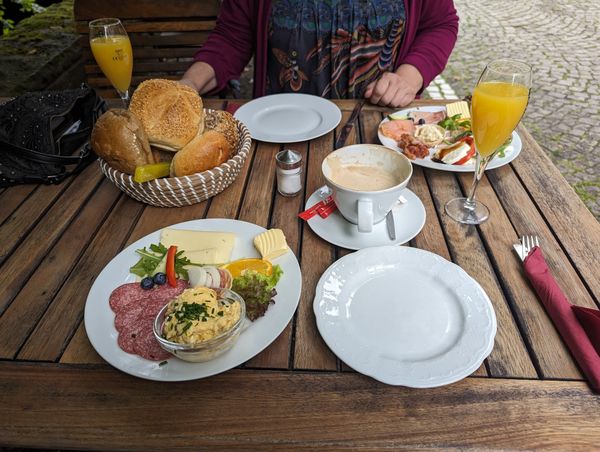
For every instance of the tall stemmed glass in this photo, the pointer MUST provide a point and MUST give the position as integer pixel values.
(498, 103)
(112, 50)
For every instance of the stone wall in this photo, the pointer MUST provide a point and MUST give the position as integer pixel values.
(41, 52)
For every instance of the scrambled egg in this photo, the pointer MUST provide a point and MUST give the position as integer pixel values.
(197, 316)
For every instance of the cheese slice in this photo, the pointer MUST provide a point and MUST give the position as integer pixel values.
(271, 244)
(458, 108)
(201, 247)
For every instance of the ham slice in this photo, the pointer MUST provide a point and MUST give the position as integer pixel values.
(429, 117)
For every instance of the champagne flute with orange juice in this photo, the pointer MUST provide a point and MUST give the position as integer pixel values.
(112, 50)
(498, 103)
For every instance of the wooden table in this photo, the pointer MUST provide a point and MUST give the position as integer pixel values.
(56, 392)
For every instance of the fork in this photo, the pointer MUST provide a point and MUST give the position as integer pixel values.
(527, 243)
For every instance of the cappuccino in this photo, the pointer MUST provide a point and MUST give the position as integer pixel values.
(361, 177)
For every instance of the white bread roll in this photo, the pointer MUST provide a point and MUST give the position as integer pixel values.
(170, 112)
(119, 138)
(202, 153)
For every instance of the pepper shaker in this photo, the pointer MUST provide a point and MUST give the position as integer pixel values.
(289, 172)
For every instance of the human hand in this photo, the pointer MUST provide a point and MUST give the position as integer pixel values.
(395, 89)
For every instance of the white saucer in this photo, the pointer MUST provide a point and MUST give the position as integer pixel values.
(409, 219)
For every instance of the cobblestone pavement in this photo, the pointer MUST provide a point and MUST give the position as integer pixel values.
(561, 39)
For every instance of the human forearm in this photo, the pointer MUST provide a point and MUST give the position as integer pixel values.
(200, 76)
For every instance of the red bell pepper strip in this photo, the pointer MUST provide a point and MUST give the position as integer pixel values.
(171, 275)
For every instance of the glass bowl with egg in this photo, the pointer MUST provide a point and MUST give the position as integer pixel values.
(200, 324)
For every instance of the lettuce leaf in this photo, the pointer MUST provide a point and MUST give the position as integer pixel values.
(257, 290)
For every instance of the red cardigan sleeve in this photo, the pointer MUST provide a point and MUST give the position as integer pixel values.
(434, 39)
(231, 44)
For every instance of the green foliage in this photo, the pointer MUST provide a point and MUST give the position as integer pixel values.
(29, 7)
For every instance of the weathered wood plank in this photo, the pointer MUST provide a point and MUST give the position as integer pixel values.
(141, 9)
(11, 198)
(33, 246)
(80, 349)
(157, 25)
(569, 219)
(509, 358)
(271, 409)
(52, 333)
(310, 351)
(38, 292)
(284, 217)
(20, 221)
(553, 358)
(146, 66)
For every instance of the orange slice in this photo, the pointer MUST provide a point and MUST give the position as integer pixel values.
(236, 268)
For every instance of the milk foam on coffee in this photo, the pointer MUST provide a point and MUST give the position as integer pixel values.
(361, 177)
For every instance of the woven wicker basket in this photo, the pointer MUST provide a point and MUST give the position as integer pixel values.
(185, 190)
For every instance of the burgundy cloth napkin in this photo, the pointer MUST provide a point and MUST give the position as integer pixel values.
(560, 311)
(590, 321)
(231, 107)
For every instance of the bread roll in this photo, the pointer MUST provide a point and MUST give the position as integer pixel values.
(202, 153)
(119, 138)
(223, 121)
(170, 112)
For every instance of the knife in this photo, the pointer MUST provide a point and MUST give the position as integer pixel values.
(348, 125)
(391, 226)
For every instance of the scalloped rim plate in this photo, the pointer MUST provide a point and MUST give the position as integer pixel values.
(99, 317)
(511, 153)
(404, 316)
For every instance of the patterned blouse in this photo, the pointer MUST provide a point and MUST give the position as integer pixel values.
(333, 48)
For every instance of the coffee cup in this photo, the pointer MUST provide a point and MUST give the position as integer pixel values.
(366, 180)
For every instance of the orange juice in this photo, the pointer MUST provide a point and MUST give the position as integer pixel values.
(497, 108)
(114, 56)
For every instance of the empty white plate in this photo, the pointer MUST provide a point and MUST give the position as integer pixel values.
(404, 316)
(289, 117)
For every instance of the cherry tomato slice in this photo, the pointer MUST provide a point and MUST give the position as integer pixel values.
(470, 154)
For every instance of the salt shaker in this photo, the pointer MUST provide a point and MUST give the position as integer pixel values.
(289, 172)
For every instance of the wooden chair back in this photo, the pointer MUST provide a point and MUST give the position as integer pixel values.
(164, 34)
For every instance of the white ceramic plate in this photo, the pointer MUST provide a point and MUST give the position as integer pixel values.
(404, 316)
(289, 118)
(99, 317)
(511, 152)
(409, 220)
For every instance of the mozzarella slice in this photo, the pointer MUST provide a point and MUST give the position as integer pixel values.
(458, 152)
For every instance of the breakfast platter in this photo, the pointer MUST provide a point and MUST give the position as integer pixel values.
(101, 316)
(289, 117)
(393, 129)
(404, 316)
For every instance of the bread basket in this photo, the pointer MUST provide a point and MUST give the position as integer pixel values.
(185, 190)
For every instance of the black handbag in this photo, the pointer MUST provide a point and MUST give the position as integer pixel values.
(42, 135)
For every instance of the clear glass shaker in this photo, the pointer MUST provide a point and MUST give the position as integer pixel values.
(289, 172)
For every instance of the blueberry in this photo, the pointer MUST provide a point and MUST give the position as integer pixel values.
(147, 283)
(421, 121)
(160, 279)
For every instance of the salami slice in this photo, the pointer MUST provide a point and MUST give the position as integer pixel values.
(135, 310)
(125, 295)
(147, 347)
